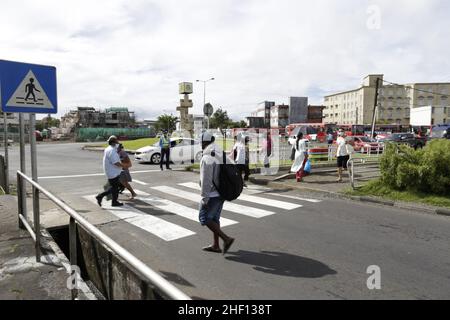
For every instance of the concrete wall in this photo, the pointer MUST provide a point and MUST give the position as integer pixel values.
(112, 277)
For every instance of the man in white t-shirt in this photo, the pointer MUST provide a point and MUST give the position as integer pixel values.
(112, 168)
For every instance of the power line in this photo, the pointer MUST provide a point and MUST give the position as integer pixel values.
(415, 89)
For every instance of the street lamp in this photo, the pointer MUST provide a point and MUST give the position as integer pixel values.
(204, 92)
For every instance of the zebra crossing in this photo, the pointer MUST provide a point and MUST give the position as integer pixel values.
(168, 231)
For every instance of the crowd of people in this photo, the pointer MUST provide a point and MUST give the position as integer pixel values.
(116, 165)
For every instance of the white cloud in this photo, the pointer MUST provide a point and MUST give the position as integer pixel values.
(134, 53)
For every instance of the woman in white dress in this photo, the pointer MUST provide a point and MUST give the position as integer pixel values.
(301, 157)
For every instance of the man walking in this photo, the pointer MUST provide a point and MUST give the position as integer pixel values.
(212, 204)
(112, 168)
(164, 143)
(241, 154)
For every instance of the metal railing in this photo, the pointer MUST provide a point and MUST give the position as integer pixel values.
(370, 166)
(150, 276)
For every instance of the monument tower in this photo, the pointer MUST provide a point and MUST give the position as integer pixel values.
(186, 119)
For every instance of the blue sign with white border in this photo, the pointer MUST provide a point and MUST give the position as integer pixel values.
(28, 88)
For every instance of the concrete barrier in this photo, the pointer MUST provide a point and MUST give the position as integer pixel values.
(109, 274)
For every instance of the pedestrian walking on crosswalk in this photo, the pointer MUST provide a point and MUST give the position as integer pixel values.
(125, 176)
(112, 168)
(211, 204)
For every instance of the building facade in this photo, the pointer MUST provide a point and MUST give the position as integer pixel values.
(279, 116)
(87, 117)
(395, 102)
(298, 112)
(315, 114)
(256, 122)
(264, 112)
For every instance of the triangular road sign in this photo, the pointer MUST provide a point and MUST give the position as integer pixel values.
(30, 94)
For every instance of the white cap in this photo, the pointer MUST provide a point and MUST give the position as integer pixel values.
(207, 137)
(112, 138)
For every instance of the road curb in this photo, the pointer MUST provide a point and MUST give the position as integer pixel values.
(443, 212)
(389, 203)
(377, 201)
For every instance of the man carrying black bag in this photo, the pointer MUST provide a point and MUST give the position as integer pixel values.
(212, 203)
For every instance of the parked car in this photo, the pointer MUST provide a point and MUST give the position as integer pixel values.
(38, 136)
(364, 144)
(406, 138)
(440, 132)
(183, 150)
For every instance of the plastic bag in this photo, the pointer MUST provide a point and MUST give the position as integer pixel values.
(307, 166)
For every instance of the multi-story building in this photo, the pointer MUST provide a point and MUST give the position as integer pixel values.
(264, 112)
(256, 122)
(279, 116)
(315, 114)
(429, 116)
(11, 119)
(87, 117)
(395, 101)
(298, 112)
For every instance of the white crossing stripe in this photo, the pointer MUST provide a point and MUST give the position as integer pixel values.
(176, 208)
(91, 175)
(140, 182)
(158, 227)
(254, 199)
(294, 198)
(228, 206)
(253, 190)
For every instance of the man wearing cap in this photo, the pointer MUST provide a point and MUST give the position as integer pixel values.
(212, 204)
(112, 168)
(164, 143)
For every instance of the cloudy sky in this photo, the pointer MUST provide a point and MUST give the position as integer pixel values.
(135, 52)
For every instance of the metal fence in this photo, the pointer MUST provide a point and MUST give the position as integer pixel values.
(363, 170)
(165, 288)
(317, 152)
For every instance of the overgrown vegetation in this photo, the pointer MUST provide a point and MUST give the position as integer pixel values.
(425, 171)
(379, 189)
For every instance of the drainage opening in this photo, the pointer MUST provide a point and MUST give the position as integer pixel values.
(61, 237)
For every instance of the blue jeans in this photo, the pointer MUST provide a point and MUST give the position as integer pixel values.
(212, 211)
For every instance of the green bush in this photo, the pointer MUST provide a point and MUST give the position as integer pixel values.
(426, 170)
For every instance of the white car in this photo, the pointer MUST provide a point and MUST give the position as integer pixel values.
(183, 150)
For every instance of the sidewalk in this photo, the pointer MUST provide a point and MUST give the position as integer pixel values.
(21, 278)
(325, 183)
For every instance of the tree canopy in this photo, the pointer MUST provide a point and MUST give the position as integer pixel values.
(166, 122)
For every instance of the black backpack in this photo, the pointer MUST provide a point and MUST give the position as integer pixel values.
(230, 181)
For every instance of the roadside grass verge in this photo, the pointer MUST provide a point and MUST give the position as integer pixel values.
(376, 188)
(131, 144)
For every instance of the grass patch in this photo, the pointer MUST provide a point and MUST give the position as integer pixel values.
(376, 188)
(132, 144)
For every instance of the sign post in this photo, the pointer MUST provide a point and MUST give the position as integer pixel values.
(28, 88)
(23, 168)
(208, 111)
(5, 131)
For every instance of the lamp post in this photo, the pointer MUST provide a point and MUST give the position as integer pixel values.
(204, 92)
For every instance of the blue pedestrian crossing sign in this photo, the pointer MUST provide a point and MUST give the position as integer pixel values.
(28, 88)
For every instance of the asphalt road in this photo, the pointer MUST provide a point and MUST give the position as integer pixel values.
(289, 245)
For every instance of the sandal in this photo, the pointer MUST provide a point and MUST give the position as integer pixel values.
(227, 246)
(212, 249)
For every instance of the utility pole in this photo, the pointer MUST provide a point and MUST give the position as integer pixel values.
(375, 108)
